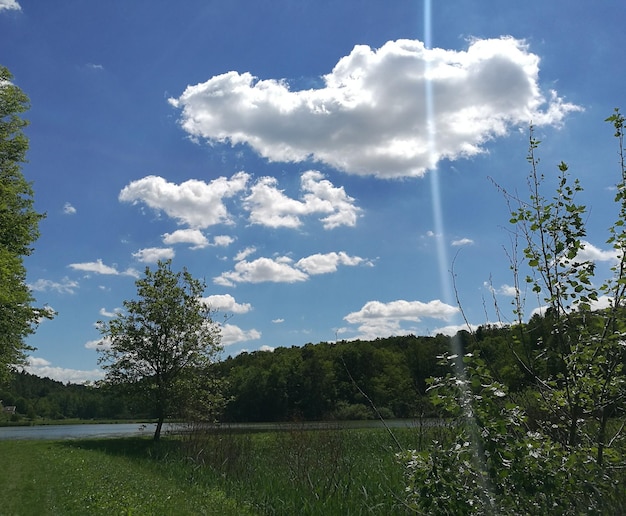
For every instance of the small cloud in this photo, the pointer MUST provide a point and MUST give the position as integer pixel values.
(262, 270)
(66, 286)
(186, 236)
(265, 347)
(44, 369)
(226, 303)
(278, 321)
(592, 253)
(242, 255)
(504, 290)
(282, 269)
(9, 5)
(98, 267)
(93, 66)
(68, 209)
(105, 313)
(194, 202)
(154, 254)
(269, 206)
(462, 241)
(452, 329)
(222, 241)
(376, 319)
(326, 263)
(232, 334)
(99, 344)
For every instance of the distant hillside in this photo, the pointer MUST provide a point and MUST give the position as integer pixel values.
(312, 382)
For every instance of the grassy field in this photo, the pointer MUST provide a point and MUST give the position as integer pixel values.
(296, 471)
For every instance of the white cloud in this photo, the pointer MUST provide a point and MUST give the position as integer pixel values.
(9, 5)
(232, 334)
(66, 286)
(283, 270)
(505, 290)
(226, 303)
(462, 241)
(376, 319)
(222, 240)
(99, 268)
(262, 270)
(452, 329)
(243, 254)
(195, 203)
(269, 206)
(68, 209)
(325, 263)
(278, 321)
(105, 313)
(103, 343)
(599, 304)
(196, 238)
(403, 310)
(592, 253)
(154, 254)
(43, 368)
(370, 117)
(186, 236)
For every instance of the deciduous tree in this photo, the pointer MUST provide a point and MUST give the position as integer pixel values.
(19, 223)
(163, 343)
(501, 461)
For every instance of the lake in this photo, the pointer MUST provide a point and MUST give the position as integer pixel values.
(97, 431)
(76, 431)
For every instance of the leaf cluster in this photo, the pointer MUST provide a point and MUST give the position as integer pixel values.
(18, 229)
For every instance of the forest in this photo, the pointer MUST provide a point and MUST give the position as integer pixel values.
(346, 380)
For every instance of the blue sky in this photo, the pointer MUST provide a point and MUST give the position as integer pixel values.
(319, 163)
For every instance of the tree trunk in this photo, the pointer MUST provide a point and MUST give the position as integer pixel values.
(157, 432)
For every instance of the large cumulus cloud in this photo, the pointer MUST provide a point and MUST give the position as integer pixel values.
(389, 112)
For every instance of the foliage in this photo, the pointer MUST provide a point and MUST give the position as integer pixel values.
(163, 344)
(567, 458)
(325, 380)
(496, 463)
(309, 383)
(36, 398)
(18, 230)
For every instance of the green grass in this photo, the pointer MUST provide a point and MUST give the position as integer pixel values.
(296, 471)
(100, 477)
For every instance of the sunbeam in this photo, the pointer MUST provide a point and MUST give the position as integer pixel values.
(447, 289)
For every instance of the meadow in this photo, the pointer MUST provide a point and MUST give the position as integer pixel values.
(291, 471)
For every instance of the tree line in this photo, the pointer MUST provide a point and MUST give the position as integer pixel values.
(344, 380)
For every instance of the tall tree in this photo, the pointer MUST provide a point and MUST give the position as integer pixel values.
(19, 228)
(164, 339)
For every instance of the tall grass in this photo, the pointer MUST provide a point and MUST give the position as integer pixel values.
(293, 471)
(297, 470)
